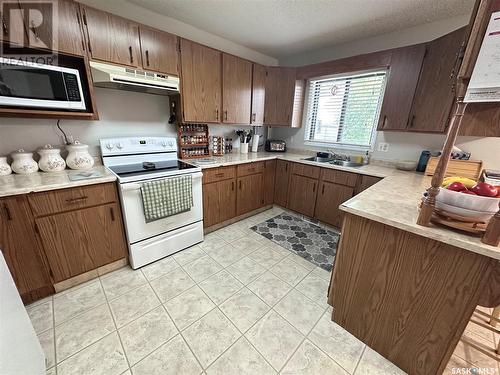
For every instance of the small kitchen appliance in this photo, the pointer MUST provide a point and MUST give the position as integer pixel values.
(275, 145)
(139, 160)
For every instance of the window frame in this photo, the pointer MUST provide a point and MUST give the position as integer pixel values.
(343, 146)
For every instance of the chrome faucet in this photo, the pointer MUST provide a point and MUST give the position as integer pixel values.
(336, 156)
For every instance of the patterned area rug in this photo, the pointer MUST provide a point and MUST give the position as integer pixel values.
(312, 242)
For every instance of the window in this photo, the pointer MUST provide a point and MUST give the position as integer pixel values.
(343, 111)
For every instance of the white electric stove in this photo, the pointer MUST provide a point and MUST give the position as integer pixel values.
(135, 160)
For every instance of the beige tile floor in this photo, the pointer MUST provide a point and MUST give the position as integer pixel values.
(235, 304)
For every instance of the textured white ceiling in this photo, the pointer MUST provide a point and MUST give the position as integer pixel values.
(282, 28)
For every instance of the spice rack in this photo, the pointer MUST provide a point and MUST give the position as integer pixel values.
(193, 141)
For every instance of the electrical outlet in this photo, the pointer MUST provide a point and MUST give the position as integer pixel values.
(384, 147)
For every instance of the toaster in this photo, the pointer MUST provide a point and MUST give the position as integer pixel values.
(275, 145)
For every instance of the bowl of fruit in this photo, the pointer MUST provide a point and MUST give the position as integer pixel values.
(468, 198)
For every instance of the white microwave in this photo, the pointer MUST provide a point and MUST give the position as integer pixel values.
(27, 84)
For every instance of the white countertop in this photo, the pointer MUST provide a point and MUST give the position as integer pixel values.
(15, 184)
(393, 201)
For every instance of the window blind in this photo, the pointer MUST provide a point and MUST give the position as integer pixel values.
(344, 110)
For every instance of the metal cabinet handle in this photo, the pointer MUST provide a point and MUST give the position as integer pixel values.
(35, 30)
(7, 212)
(412, 121)
(147, 57)
(232, 185)
(384, 124)
(112, 212)
(217, 114)
(130, 53)
(240, 184)
(225, 115)
(314, 187)
(323, 190)
(76, 200)
(219, 175)
(254, 116)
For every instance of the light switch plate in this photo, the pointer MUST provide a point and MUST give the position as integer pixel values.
(384, 147)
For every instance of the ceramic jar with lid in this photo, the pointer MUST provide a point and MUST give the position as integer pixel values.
(50, 159)
(23, 162)
(78, 156)
(4, 166)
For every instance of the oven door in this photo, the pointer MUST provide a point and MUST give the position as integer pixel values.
(133, 212)
(25, 84)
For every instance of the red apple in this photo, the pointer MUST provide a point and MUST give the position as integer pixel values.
(456, 186)
(484, 189)
(468, 192)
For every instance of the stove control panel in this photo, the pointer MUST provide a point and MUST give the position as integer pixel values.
(137, 145)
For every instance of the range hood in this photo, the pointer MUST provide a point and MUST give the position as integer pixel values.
(121, 78)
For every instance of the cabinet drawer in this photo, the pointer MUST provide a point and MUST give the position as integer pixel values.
(51, 202)
(305, 170)
(218, 174)
(250, 168)
(339, 177)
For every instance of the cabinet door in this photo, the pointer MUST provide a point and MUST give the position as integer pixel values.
(249, 195)
(21, 248)
(201, 82)
(402, 81)
(364, 182)
(281, 183)
(236, 89)
(159, 51)
(13, 28)
(436, 87)
(269, 176)
(302, 197)
(280, 93)
(330, 197)
(112, 38)
(69, 28)
(211, 210)
(258, 94)
(82, 240)
(227, 199)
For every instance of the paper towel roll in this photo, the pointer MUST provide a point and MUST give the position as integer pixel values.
(255, 142)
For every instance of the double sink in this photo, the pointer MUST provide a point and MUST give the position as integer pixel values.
(341, 163)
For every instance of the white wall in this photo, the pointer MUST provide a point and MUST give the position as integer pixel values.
(402, 146)
(136, 13)
(122, 113)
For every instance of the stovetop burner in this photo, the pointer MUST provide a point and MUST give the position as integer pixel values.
(149, 167)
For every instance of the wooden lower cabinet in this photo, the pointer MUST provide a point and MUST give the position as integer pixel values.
(281, 182)
(364, 182)
(219, 202)
(269, 177)
(250, 193)
(22, 250)
(79, 241)
(330, 197)
(302, 197)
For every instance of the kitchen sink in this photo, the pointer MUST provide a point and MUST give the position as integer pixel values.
(319, 159)
(345, 163)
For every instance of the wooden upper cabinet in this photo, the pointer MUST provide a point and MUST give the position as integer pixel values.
(69, 28)
(13, 28)
(112, 38)
(236, 89)
(159, 51)
(280, 93)
(258, 94)
(200, 82)
(435, 92)
(21, 248)
(402, 81)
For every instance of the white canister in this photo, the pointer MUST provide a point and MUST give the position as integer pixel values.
(5, 168)
(50, 159)
(78, 156)
(23, 163)
(244, 148)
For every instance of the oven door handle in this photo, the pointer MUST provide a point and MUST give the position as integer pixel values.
(132, 186)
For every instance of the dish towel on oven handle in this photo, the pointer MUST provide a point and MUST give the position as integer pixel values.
(167, 197)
